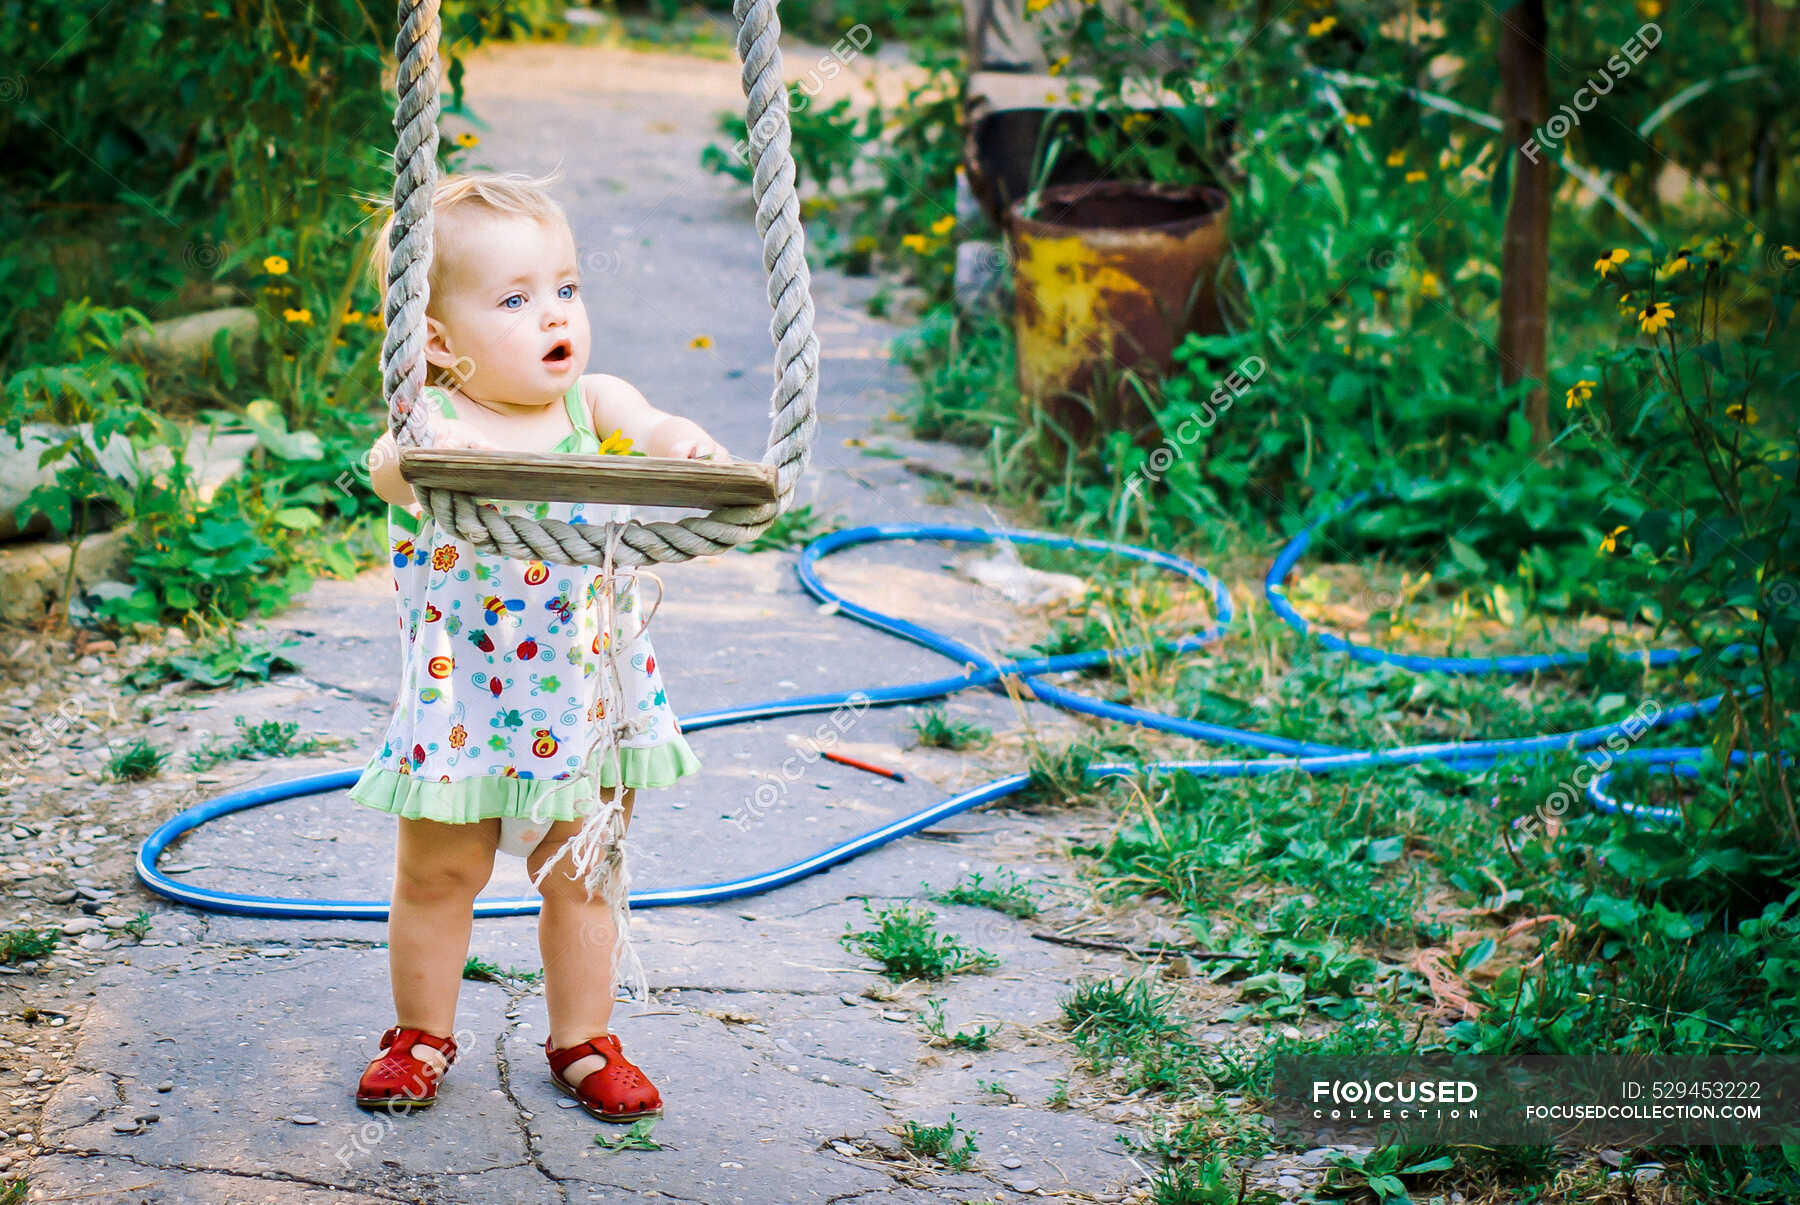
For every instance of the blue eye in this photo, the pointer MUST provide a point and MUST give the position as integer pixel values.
(508, 302)
(566, 292)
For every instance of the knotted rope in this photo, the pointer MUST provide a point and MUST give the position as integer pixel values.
(792, 403)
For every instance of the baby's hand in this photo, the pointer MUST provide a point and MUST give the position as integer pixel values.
(698, 449)
(454, 433)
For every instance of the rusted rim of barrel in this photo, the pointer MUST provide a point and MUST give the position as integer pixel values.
(1120, 196)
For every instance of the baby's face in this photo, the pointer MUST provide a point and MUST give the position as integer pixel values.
(513, 325)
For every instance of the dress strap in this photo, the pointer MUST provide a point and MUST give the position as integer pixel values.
(578, 415)
(443, 400)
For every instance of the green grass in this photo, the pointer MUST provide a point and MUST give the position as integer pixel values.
(482, 971)
(906, 941)
(934, 729)
(136, 762)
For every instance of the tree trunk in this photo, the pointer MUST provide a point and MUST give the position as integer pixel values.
(1525, 248)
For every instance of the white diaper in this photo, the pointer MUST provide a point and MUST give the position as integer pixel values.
(519, 835)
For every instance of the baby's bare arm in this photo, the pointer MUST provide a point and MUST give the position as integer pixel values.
(384, 458)
(617, 405)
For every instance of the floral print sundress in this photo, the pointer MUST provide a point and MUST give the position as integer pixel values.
(500, 691)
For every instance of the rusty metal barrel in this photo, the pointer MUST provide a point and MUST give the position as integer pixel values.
(1108, 276)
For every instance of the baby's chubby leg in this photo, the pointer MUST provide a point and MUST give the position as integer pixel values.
(439, 869)
(575, 937)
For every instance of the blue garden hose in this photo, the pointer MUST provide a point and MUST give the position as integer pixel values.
(981, 670)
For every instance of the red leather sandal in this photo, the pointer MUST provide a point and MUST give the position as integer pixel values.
(619, 1091)
(399, 1079)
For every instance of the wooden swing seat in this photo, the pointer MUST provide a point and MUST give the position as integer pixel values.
(575, 477)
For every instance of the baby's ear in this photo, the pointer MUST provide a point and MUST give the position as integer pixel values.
(437, 344)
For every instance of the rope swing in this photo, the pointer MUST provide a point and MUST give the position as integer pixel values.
(744, 497)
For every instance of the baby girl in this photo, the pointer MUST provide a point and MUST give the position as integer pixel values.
(503, 686)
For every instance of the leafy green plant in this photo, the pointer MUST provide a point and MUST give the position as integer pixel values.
(271, 738)
(24, 944)
(906, 942)
(1381, 1170)
(219, 660)
(1211, 1182)
(1013, 897)
(792, 528)
(940, 1142)
(963, 1039)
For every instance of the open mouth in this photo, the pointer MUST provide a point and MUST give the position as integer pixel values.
(558, 354)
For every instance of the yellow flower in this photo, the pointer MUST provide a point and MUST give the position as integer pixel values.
(1677, 264)
(1649, 9)
(864, 243)
(700, 341)
(1580, 392)
(1719, 249)
(1612, 259)
(352, 317)
(1611, 542)
(1625, 306)
(1428, 284)
(301, 63)
(1790, 256)
(1354, 120)
(467, 140)
(917, 243)
(1058, 63)
(1037, 6)
(615, 444)
(301, 316)
(1322, 25)
(1414, 176)
(1741, 412)
(944, 225)
(1655, 316)
(1396, 157)
(1132, 122)
(274, 265)
(376, 322)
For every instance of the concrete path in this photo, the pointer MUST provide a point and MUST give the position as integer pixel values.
(213, 1062)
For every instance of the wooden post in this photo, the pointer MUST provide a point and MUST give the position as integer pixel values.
(1525, 247)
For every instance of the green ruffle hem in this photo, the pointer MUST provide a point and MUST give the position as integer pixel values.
(487, 796)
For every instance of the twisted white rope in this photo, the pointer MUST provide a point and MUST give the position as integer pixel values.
(792, 406)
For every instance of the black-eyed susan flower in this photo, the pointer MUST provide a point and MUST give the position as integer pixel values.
(616, 444)
(1057, 64)
(1133, 122)
(1742, 412)
(1719, 250)
(1323, 25)
(1414, 176)
(1612, 259)
(916, 243)
(1396, 157)
(275, 265)
(1653, 317)
(1790, 256)
(300, 316)
(1579, 392)
(1678, 263)
(1625, 305)
(1356, 120)
(467, 140)
(1611, 542)
(353, 317)
(944, 225)
(1428, 285)
(700, 342)
(1037, 6)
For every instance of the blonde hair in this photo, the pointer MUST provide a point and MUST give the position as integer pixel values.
(469, 194)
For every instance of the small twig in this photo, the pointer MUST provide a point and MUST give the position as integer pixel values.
(1141, 951)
